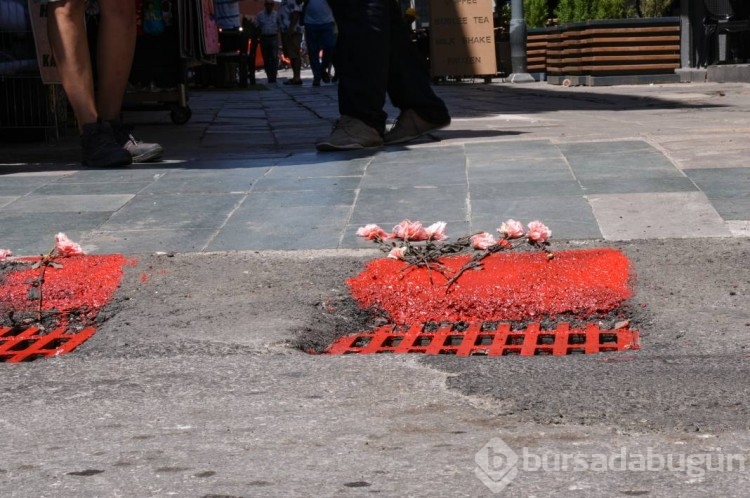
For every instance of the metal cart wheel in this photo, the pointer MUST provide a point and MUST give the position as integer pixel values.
(180, 115)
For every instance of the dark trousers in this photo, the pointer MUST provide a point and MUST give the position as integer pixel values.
(269, 47)
(374, 56)
(320, 37)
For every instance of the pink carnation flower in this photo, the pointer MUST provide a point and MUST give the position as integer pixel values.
(371, 232)
(397, 253)
(436, 231)
(511, 229)
(482, 241)
(5, 253)
(410, 230)
(66, 247)
(538, 232)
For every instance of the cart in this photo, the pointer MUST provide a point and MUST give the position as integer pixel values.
(174, 35)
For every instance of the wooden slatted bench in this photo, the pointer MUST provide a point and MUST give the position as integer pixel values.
(609, 52)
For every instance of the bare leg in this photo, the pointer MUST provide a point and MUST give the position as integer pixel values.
(115, 50)
(67, 34)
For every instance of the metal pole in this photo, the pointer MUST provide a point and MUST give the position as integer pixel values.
(518, 44)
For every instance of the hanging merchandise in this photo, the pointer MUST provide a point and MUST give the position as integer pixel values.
(153, 20)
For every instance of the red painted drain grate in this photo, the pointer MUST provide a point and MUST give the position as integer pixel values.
(19, 344)
(480, 339)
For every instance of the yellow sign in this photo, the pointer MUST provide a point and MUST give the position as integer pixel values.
(462, 38)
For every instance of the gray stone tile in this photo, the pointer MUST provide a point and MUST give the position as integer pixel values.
(174, 211)
(277, 238)
(293, 227)
(531, 188)
(659, 215)
(735, 208)
(487, 153)
(17, 185)
(68, 188)
(269, 218)
(317, 167)
(298, 198)
(609, 147)
(124, 175)
(418, 204)
(548, 171)
(448, 155)
(568, 217)
(430, 173)
(722, 183)
(146, 241)
(638, 185)
(645, 165)
(300, 183)
(205, 181)
(627, 160)
(67, 203)
(540, 164)
(6, 199)
(33, 234)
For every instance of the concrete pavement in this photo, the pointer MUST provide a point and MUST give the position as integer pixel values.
(613, 163)
(192, 386)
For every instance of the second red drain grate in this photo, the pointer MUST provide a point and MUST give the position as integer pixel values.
(478, 339)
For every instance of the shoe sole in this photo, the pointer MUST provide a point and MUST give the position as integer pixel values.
(329, 147)
(151, 155)
(412, 137)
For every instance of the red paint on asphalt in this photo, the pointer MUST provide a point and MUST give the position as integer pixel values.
(511, 286)
(83, 283)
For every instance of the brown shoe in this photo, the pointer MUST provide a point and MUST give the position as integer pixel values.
(350, 134)
(409, 126)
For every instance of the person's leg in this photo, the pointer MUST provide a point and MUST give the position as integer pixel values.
(295, 56)
(314, 40)
(291, 47)
(362, 52)
(361, 63)
(329, 44)
(114, 56)
(115, 49)
(410, 90)
(265, 50)
(409, 85)
(67, 35)
(273, 59)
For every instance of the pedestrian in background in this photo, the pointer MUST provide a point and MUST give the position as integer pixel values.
(291, 37)
(320, 36)
(268, 22)
(375, 57)
(105, 140)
